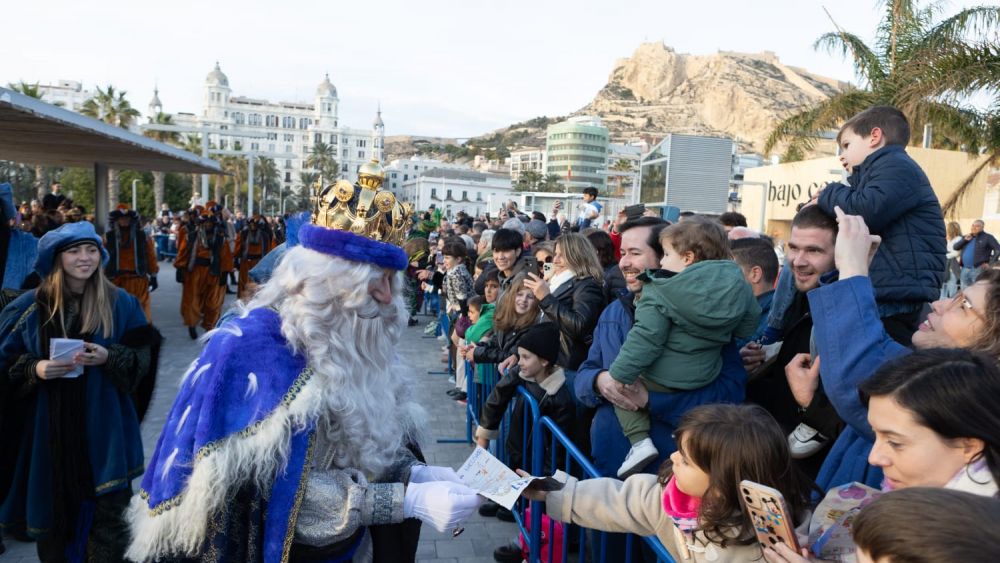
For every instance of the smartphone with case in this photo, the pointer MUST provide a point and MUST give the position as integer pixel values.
(769, 513)
(531, 265)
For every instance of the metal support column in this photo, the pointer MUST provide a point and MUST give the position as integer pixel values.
(101, 209)
(204, 177)
(249, 185)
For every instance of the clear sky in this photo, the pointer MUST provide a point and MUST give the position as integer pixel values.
(449, 68)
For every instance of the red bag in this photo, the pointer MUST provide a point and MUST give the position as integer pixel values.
(557, 538)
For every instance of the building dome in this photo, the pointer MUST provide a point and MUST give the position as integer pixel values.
(326, 89)
(155, 102)
(217, 77)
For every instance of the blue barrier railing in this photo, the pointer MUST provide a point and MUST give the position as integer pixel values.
(559, 440)
(562, 452)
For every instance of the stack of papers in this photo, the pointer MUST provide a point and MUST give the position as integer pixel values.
(63, 349)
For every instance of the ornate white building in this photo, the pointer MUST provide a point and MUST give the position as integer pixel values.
(285, 131)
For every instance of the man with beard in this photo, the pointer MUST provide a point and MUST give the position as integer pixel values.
(132, 265)
(595, 388)
(780, 386)
(252, 242)
(203, 261)
(294, 436)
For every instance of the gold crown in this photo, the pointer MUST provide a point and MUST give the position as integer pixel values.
(363, 209)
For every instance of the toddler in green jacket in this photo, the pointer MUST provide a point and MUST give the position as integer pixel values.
(684, 316)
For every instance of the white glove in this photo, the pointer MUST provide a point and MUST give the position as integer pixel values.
(426, 473)
(441, 504)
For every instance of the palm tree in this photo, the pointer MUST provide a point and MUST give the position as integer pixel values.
(528, 181)
(551, 183)
(624, 170)
(170, 137)
(32, 91)
(322, 158)
(111, 107)
(267, 176)
(922, 65)
(235, 166)
(192, 144)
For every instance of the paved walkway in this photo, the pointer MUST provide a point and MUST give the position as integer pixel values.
(447, 420)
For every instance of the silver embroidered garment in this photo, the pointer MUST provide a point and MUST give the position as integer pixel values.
(339, 501)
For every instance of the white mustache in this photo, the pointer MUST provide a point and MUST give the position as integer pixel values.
(372, 309)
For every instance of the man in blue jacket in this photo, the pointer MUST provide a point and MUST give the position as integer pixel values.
(595, 388)
(979, 250)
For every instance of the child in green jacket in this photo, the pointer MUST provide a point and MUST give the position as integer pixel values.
(684, 316)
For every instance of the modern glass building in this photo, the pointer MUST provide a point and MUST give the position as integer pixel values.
(689, 172)
(577, 151)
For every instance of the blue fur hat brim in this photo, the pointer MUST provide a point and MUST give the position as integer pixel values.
(349, 246)
(69, 234)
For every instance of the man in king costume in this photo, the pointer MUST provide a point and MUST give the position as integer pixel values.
(294, 436)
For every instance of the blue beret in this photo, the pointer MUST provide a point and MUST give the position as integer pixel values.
(69, 234)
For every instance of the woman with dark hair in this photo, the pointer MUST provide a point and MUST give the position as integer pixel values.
(853, 345)
(935, 422)
(614, 281)
(71, 433)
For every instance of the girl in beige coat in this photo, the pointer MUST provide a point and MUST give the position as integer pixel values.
(693, 505)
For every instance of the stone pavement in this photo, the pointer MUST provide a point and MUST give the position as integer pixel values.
(447, 420)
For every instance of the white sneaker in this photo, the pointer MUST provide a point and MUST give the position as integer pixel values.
(804, 441)
(641, 453)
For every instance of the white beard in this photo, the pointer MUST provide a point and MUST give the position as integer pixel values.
(350, 341)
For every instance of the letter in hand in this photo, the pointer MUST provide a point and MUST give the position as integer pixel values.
(531, 493)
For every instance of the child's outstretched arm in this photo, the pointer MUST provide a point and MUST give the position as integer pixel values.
(634, 505)
(643, 345)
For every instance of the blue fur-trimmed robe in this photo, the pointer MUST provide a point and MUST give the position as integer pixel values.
(113, 441)
(237, 405)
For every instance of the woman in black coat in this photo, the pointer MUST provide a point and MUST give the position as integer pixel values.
(573, 299)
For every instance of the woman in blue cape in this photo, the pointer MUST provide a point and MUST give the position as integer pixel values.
(71, 434)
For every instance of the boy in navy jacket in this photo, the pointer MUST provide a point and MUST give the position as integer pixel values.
(893, 195)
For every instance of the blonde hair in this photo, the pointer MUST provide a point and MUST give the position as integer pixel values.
(954, 230)
(96, 305)
(505, 316)
(580, 257)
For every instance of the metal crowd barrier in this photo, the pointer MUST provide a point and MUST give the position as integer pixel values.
(537, 429)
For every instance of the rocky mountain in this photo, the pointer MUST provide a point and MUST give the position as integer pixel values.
(658, 91)
(740, 95)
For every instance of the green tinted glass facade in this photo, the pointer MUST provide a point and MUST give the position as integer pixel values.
(578, 154)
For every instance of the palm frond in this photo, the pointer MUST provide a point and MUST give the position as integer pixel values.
(801, 129)
(955, 127)
(975, 24)
(867, 64)
(953, 73)
(950, 207)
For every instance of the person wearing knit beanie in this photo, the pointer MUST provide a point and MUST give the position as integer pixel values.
(541, 341)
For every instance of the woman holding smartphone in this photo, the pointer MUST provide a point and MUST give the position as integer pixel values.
(71, 443)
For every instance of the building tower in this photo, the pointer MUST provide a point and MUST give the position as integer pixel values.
(155, 107)
(326, 105)
(378, 136)
(216, 95)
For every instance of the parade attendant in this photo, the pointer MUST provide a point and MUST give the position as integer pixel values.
(17, 248)
(294, 435)
(132, 263)
(71, 443)
(203, 262)
(253, 242)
